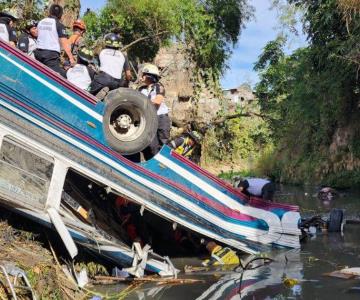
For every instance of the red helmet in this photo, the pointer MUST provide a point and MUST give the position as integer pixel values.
(79, 24)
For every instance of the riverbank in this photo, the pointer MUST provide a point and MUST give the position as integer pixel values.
(21, 248)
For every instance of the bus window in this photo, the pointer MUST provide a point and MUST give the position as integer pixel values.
(25, 174)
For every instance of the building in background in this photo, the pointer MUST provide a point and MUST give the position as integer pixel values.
(242, 95)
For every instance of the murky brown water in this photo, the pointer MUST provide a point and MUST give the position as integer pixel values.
(323, 253)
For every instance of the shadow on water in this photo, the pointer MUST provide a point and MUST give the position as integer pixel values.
(323, 253)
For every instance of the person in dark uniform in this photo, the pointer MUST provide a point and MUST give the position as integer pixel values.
(28, 39)
(155, 92)
(258, 187)
(51, 38)
(112, 64)
(7, 31)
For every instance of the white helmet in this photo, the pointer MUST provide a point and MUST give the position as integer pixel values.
(151, 69)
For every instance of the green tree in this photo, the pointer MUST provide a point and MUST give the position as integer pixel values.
(208, 27)
(312, 92)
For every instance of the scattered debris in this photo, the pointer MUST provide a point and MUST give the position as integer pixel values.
(192, 269)
(347, 273)
(338, 274)
(352, 271)
(158, 280)
(290, 282)
(24, 259)
(312, 225)
(116, 272)
(220, 256)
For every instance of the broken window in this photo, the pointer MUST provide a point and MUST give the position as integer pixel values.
(25, 174)
(118, 218)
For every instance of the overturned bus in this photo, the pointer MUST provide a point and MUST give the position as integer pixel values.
(62, 165)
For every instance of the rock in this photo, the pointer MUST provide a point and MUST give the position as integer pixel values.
(189, 98)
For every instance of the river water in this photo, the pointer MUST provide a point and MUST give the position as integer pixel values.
(322, 253)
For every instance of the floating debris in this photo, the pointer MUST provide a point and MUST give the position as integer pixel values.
(290, 282)
(158, 280)
(346, 273)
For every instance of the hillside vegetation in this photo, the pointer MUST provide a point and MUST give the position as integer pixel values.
(312, 97)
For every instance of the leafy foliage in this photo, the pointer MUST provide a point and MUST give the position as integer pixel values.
(207, 27)
(25, 9)
(238, 141)
(312, 92)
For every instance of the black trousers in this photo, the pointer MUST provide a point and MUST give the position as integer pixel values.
(51, 59)
(102, 80)
(268, 191)
(161, 138)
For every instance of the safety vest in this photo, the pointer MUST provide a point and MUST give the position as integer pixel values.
(185, 149)
(4, 33)
(112, 62)
(222, 256)
(79, 76)
(48, 38)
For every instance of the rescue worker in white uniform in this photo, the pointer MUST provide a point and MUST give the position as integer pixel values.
(258, 187)
(81, 74)
(28, 39)
(51, 38)
(112, 64)
(7, 31)
(155, 92)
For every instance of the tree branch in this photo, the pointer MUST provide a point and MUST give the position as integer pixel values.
(248, 114)
(142, 39)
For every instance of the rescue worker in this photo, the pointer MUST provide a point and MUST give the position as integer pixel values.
(185, 144)
(28, 39)
(258, 187)
(112, 64)
(220, 256)
(81, 74)
(76, 40)
(155, 92)
(51, 38)
(7, 30)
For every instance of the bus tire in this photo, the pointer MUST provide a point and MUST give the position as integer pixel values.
(130, 121)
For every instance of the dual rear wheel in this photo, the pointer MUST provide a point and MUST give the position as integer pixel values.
(130, 121)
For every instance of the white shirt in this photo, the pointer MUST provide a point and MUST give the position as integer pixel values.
(32, 46)
(256, 185)
(79, 76)
(112, 62)
(151, 93)
(48, 37)
(4, 34)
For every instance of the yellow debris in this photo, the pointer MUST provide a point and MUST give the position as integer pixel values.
(290, 282)
(221, 256)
